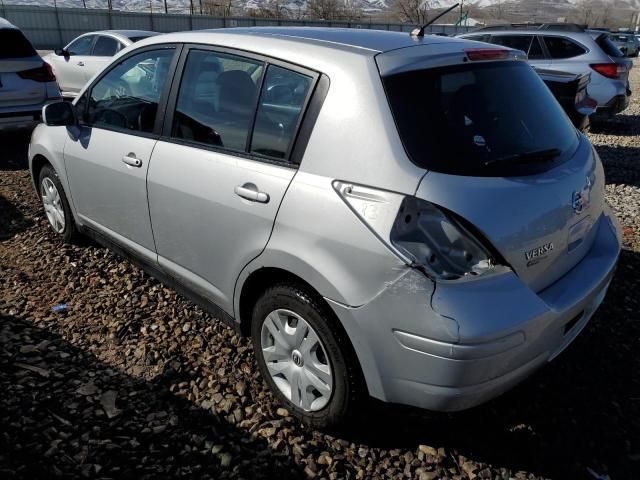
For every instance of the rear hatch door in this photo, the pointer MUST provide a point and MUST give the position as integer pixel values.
(502, 155)
(17, 55)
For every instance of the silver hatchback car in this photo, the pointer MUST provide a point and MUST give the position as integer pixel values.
(385, 215)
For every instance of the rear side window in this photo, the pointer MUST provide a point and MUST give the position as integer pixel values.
(470, 119)
(561, 47)
(535, 50)
(283, 97)
(13, 44)
(217, 99)
(519, 42)
(610, 48)
(105, 47)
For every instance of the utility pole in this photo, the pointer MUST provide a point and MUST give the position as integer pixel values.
(166, 10)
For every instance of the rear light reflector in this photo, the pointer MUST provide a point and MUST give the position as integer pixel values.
(609, 70)
(475, 54)
(43, 73)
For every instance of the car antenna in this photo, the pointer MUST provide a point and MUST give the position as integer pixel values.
(419, 31)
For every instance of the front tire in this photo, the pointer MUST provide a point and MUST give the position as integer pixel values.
(56, 205)
(305, 357)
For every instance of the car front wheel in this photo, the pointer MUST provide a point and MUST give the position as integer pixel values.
(55, 204)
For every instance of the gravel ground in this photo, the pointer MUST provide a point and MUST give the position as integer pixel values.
(133, 381)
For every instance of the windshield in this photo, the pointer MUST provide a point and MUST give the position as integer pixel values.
(466, 119)
(13, 44)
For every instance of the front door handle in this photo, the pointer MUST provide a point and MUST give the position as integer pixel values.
(81, 64)
(132, 160)
(250, 192)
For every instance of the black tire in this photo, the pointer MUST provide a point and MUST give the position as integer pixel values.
(70, 233)
(349, 390)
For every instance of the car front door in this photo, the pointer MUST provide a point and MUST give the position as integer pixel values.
(223, 165)
(108, 159)
(104, 48)
(70, 68)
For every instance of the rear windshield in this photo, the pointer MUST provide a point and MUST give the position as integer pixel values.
(13, 44)
(469, 119)
(610, 48)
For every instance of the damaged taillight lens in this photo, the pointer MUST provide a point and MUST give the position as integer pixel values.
(438, 243)
(422, 234)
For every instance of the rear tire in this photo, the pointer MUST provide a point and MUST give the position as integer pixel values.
(312, 369)
(56, 205)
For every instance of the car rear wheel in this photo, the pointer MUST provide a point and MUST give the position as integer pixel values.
(55, 204)
(305, 357)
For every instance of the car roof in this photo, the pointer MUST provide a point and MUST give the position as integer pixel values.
(533, 31)
(4, 23)
(123, 33)
(370, 41)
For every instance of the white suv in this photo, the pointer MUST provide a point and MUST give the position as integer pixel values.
(26, 81)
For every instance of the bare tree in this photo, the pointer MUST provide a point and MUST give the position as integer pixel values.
(220, 8)
(325, 9)
(605, 14)
(410, 11)
(272, 9)
(585, 12)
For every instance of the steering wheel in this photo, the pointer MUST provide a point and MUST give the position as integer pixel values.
(111, 117)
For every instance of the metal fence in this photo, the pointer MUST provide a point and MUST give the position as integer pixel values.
(49, 28)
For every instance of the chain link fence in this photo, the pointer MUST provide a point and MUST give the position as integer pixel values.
(49, 28)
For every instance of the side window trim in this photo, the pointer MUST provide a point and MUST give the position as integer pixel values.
(164, 96)
(289, 160)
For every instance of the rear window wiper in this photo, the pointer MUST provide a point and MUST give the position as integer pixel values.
(527, 157)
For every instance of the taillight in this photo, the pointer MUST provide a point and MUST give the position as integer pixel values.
(476, 54)
(422, 234)
(609, 70)
(43, 73)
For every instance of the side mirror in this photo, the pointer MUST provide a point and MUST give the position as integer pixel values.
(61, 52)
(59, 114)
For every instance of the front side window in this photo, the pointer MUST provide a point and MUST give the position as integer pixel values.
(81, 46)
(127, 96)
(479, 119)
(105, 47)
(217, 99)
(283, 97)
(560, 47)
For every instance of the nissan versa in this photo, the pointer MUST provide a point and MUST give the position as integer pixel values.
(412, 218)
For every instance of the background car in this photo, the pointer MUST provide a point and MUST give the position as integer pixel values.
(626, 42)
(26, 81)
(574, 51)
(75, 64)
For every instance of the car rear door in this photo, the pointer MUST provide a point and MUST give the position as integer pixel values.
(17, 56)
(107, 159)
(223, 165)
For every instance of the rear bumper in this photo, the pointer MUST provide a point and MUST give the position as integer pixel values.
(616, 105)
(23, 116)
(453, 346)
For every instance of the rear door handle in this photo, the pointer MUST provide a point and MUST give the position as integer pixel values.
(132, 160)
(81, 64)
(250, 192)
